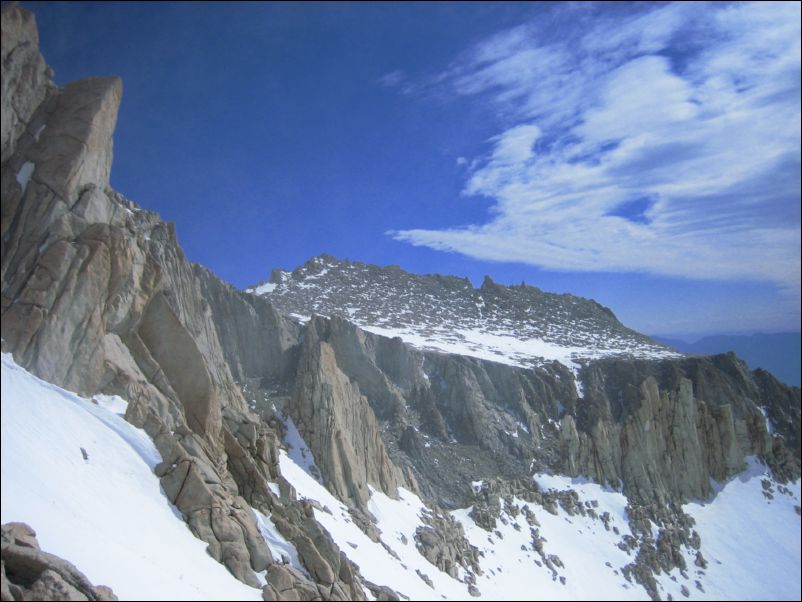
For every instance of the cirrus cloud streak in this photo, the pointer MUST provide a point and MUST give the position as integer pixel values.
(663, 140)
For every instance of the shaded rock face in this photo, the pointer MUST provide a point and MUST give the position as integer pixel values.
(256, 340)
(443, 420)
(339, 425)
(660, 429)
(664, 429)
(29, 573)
(302, 372)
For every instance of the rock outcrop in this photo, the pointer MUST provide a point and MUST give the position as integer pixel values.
(659, 429)
(97, 296)
(29, 573)
(340, 427)
(665, 429)
(26, 77)
(331, 576)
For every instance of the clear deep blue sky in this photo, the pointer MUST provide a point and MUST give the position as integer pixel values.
(647, 156)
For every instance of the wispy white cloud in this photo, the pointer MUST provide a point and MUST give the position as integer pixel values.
(392, 79)
(687, 114)
(399, 80)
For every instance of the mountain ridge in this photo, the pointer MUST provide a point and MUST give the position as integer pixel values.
(518, 324)
(313, 436)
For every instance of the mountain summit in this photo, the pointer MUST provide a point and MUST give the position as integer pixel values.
(516, 325)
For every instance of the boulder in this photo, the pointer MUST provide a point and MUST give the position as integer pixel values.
(32, 574)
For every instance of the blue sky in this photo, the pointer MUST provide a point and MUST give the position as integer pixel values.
(645, 155)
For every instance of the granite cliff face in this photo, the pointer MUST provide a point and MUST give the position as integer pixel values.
(659, 429)
(98, 297)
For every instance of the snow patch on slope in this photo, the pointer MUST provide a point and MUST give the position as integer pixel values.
(278, 544)
(513, 570)
(751, 541)
(375, 562)
(495, 347)
(111, 403)
(24, 175)
(297, 449)
(106, 514)
(582, 544)
(267, 287)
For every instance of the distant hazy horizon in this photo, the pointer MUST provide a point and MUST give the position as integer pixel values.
(693, 338)
(780, 353)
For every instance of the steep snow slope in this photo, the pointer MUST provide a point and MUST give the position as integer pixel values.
(563, 556)
(518, 325)
(751, 538)
(106, 514)
(751, 544)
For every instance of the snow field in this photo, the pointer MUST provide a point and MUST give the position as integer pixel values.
(107, 514)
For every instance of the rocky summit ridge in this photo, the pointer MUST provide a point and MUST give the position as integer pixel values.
(517, 325)
(238, 396)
